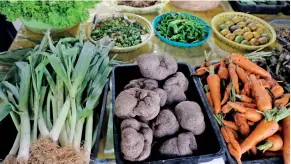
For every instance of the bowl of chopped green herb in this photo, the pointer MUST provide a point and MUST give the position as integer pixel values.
(181, 29)
(129, 31)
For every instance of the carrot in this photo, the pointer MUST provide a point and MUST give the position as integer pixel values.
(286, 139)
(232, 139)
(263, 99)
(224, 134)
(273, 143)
(234, 153)
(279, 103)
(247, 89)
(235, 134)
(251, 123)
(265, 83)
(262, 131)
(244, 98)
(252, 115)
(254, 150)
(213, 82)
(230, 124)
(226, 108)
(248, 65)
(233, 77)
(273, 154)
(201, 71)
(222, 71)
(248, 105)
(237, 107)
(277, 91)
(226, 94)
(242, 75)
(208, 96)
(242, 124)
(271, 82)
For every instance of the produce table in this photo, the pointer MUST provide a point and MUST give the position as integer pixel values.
(193, 56)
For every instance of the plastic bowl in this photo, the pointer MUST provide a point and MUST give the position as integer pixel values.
(180, 44)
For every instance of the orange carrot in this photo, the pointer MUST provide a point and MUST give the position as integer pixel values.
(242, 124)
(226, 108)
(233, 77)
(279, 103)
(248, 105)
(263, 99)
(242, 75)
(277, 91)
(230, 124)
(271, 82)
(222, 71)
(254, 150)
(286, 139)
(244, 98)
(235, 134)
(251, 123)
(247, 89)
(248, 65)
(213, 82)
(232, 139)
(252, 115)
(224, 134)
(265, 83)
(234, 153)
(208, 96)
(262, 131)
(226, 94)
(237, 107)
(201, 71)
(273, 143)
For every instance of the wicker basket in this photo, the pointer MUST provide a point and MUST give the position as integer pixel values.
(143, 21)
(196, 5)
(223, 17)
(139, 10)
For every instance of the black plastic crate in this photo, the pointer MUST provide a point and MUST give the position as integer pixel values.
(229, 158)
(8, 131)
(210, 144)
(258, 9)
(286, 10)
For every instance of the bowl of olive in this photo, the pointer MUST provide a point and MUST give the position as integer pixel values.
(243, 31)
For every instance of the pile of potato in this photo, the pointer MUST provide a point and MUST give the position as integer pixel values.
(244, 31)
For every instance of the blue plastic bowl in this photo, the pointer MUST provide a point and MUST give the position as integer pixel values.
(180, 44)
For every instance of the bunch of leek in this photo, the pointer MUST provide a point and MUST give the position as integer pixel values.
(57, 85)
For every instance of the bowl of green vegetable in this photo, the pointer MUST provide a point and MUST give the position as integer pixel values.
(129, 31)
(181, 29)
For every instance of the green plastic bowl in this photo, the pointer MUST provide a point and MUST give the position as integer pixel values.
(39, 27)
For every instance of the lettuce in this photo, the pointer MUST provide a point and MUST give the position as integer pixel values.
(56, 13)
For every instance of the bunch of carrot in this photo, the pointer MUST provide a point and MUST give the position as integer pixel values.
(250, 106)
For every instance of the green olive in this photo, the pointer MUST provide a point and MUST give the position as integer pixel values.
(247, 29)
(254, 42)
(248, 35)
(223, 26)
(252, 26)
(236, 19)
(241, 24)
(239, 39)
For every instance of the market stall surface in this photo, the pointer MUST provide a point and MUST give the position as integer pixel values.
(194, 56)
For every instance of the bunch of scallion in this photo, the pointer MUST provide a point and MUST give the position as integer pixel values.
(50, 92)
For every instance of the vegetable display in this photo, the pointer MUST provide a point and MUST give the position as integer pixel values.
(284, 33)
(50, 95)
(244, 31)
(181, 28)
(252, 109)
(139, 4)
(146, 121)
(55, 13)
(125, 32)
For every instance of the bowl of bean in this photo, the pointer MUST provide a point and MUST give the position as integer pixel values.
(181, 29)
(129, 31)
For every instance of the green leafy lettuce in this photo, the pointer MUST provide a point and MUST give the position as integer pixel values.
(56, 13)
